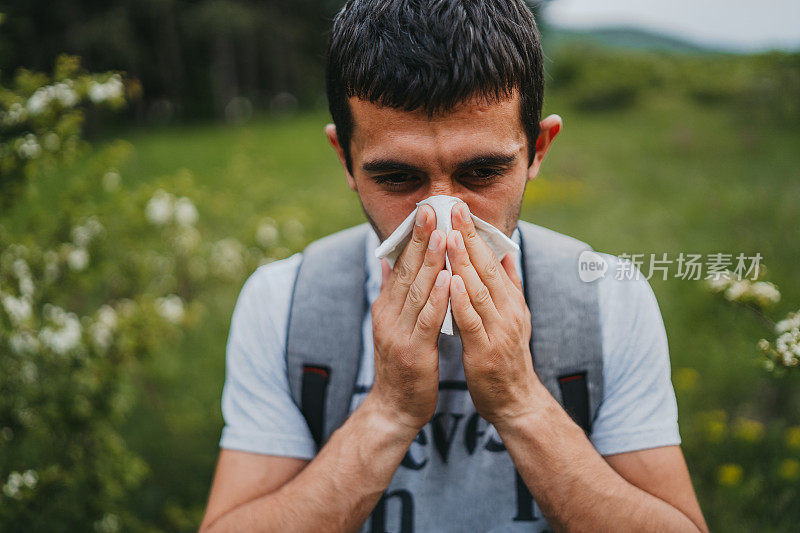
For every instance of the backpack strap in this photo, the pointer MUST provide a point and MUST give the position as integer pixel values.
(323, 339)
(566, 342)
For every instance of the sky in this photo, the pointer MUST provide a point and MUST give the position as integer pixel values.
(730, 24)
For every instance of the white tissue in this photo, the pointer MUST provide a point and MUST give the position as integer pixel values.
(442, 205)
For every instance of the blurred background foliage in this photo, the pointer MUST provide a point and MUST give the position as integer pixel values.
(193, 57)
(128, 226)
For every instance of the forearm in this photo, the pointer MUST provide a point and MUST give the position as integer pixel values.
(573, 485)
(339, 488)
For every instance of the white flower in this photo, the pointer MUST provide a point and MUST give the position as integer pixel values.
(721, 281)
(115, 87)
(185, 212)
(78, 259)
(15, 114)
(102, 330)
(64, 333)
(160, 208)
(23, 274)
(30, 478)
(20, 268)
(267, 232)
(111, 181)
(81, 236)
(788, 347)
(187, 239)
(761, 293)
(12, 485)
(94, 226)
(23, 342)
(736, 290)
(29, 148)
(227, 258)
(293, 229)
(765, 293)
(65, 95)
(43, 96)
(107, 316)
(84, 233)
(101, 335)
(108, 524)
(18, 309)
(170, 308)
(792, 321)
(111, 89)
(38, 101)
(26, 287)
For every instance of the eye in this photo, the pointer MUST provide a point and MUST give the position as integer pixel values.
(484, 174)
(396, 180)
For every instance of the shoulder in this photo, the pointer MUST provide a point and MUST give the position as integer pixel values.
(625, 294)
(551, 241)
(274, 273)
(632, 328)
(265, 297)
(351, 236)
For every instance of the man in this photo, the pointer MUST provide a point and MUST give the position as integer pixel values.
(444, 97)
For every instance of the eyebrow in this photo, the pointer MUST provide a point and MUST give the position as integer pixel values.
(393, 165)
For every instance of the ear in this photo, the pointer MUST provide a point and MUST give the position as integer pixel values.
(330, 131)
(548, 129)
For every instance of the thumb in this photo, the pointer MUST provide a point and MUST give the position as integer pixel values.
(386, 271)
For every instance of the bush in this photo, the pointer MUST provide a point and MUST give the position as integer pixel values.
(88, 293)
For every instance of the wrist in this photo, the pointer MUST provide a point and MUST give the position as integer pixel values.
(533, 410)
(388, 420)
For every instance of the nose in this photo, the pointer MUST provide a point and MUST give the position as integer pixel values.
(443, 185)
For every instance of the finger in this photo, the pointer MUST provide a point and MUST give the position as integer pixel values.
(431, 318)
(483, 258)
(386, 271)
(470, 325)
(510, 267)
(479, 294)
(420, 289)
(408, 263)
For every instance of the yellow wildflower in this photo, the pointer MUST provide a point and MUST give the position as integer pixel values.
(729, 474)
(686, 378)
(789, 469)
(748, 430)
(793, 437)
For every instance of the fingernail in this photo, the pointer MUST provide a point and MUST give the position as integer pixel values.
(441, 278)
(421, 214)
(463, 212)
(435, 241)
(459, 241)
(458, 283)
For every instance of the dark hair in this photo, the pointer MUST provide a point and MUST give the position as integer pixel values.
(433, 54)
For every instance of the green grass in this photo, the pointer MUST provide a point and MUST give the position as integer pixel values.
(664, 176)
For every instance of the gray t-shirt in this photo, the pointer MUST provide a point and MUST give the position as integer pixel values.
(457, 474)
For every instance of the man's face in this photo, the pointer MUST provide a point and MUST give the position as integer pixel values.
(478, 152)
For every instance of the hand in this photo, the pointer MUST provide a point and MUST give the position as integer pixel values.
(494, 322)
(407, 317)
